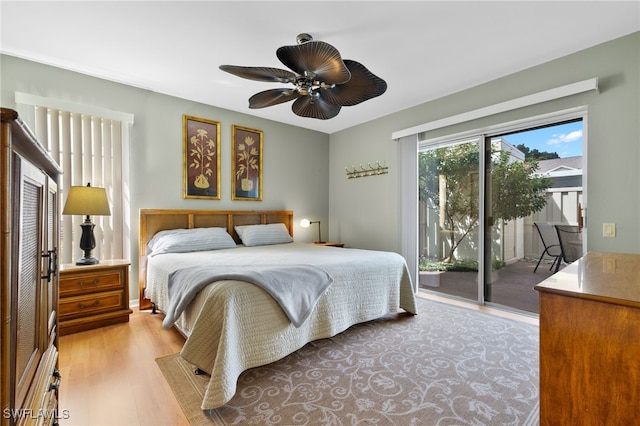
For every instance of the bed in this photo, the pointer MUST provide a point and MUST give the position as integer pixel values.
(232, 325)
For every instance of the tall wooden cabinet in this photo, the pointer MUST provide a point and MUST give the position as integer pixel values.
(29, 205)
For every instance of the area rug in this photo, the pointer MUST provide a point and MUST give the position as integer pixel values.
(446, 366)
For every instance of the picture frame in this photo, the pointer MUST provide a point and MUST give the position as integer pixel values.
(200, 158)
(246, 158)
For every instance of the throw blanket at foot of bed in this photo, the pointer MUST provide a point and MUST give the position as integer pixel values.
(296, 288)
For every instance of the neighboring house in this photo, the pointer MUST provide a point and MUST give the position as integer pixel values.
(565, 172)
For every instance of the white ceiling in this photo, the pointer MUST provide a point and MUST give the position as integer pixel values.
(423, 49)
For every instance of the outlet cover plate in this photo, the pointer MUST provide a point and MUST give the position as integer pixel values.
(609, 230)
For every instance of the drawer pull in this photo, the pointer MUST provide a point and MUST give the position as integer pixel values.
(93, 305)
(56, 384)
(94, 282)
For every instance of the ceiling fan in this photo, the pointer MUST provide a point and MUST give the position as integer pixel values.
(323, 81)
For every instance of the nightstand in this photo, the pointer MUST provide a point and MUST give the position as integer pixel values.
(92, 296)
(329, 244)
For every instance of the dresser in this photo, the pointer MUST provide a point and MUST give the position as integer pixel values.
(590, 342)
(93, 296)
(29, 205)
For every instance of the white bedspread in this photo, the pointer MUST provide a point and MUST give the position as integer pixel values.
(296, 288)
(234, 325)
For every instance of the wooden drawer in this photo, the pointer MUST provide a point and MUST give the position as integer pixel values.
(41, 401)
(93, 296)
(76, 283)
(91, 304)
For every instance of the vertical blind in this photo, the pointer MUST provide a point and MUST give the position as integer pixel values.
(90, 150)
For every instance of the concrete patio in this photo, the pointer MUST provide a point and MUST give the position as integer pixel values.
(513, 285)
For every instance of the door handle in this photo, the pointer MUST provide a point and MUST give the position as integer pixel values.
(52, 263)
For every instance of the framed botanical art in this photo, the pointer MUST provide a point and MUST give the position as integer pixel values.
(246, 182)
(200, 158)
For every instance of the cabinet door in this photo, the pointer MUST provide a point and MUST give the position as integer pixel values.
(50, 281)
(29, 197)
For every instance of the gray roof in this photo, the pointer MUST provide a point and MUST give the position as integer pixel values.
(575, 163)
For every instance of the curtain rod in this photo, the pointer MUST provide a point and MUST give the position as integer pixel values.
(524, 101)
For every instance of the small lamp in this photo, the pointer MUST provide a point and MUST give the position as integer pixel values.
(305, 223)
(87, 200)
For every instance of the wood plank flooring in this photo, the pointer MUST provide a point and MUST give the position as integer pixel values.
(110, 377)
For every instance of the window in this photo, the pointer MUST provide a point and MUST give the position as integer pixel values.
(93, 149)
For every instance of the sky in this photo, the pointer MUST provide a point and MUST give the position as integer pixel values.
(565, 139)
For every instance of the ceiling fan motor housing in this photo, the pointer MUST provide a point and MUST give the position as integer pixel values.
(303, 38)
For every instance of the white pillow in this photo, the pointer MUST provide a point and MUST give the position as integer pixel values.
(262, 235)
(240, 228)
(186, 240)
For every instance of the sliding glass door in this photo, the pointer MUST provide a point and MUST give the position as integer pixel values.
(513, 193)
(449, 217)
(535, 177)
(479, 200)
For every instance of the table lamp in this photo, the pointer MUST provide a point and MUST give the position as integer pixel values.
(305, 223)
(87, 201)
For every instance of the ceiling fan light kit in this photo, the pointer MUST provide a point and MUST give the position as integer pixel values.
(323, 82)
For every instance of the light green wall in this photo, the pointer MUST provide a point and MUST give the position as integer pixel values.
(304, 171)
(295, 160)
(364, 212)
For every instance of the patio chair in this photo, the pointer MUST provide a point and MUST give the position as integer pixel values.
(570, 238)
(550, 242)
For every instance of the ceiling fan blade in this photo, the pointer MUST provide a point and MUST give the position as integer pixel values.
(272, 97)
(363, 85)
(319, 108)
(274, 75)
(317, 57)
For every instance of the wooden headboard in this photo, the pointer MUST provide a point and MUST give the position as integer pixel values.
(155, 220)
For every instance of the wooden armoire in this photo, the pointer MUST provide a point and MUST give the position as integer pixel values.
(29, 280)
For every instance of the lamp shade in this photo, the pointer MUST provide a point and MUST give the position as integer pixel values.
(87, 200)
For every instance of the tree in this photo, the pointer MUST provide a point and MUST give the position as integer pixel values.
(535, 154)
(449, 181)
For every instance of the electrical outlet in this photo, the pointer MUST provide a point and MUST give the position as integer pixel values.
(609, 230)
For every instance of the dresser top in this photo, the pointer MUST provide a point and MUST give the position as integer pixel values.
(102, 265)
(606, 277)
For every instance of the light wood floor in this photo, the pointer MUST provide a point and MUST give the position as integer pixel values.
(110, 377)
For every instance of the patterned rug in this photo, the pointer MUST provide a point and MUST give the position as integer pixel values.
(446, 366)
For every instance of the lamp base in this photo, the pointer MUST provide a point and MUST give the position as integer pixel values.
(87, 261)
(87, 243)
